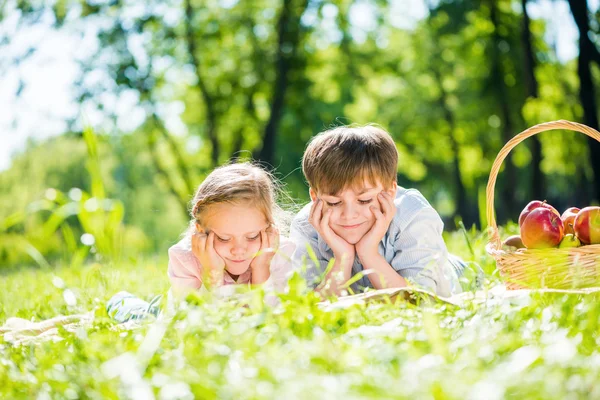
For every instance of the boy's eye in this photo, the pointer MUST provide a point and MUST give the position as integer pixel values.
(333, 204)
(365, 201)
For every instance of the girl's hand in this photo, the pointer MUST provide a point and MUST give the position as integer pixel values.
(369, 244)
(204, 250)
(261, 264)
(342, 250)
(269, 243)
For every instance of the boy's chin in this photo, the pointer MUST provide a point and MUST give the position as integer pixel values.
(351, 239)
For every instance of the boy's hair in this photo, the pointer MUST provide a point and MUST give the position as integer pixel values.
(241, 183)
(347, 155)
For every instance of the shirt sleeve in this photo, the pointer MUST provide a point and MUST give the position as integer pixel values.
(420, 253)
(301, 233)
(183, 271)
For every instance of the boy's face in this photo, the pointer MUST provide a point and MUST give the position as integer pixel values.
(351, 216)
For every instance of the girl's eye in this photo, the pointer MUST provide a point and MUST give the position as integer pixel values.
(365, 201)
(333, 204)
(222, 240)
(255, 237)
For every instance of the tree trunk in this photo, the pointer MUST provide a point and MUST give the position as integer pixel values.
(182, 166)
(587, 53)
(497, 76)
(211, 115)
(238, 141)
(463, 207)
(151, 142)
(289, 32)
(537, 178)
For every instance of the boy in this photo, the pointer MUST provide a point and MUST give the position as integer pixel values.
(360, 217)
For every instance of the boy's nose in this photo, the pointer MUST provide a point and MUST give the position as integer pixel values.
(348, 211)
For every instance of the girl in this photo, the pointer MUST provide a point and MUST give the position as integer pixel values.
(232, 238)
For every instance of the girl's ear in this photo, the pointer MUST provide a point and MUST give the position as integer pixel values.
(199, 228)
(313, 194)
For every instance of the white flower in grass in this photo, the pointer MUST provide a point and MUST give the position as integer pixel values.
(486, 390)
(69, 297)
(75, 194)
(57, 282)
(88, 239)
(51, 194)
(175, 391)
(91, 205)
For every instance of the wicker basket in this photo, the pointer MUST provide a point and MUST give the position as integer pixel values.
(548, 268)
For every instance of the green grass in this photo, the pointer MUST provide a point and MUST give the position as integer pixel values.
(538, 347)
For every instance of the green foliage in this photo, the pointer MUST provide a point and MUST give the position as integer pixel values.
(100, 218)
(451, 89)
(49, 202)
(535, 346)
(70, 223)
(207, 78)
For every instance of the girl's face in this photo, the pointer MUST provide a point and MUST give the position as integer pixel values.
(237, 230)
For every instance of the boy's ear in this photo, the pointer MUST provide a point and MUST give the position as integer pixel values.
(313, 194)
(392, 190)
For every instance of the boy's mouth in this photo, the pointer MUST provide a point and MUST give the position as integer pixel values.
(351, 226)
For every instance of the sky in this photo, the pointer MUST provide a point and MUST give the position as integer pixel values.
(47, 99)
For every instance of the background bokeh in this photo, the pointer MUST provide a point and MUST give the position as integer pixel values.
(161, 92)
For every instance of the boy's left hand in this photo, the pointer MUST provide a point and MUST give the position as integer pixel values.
(368, 245)
(269, 243)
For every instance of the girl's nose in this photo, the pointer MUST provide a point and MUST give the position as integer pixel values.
(239, 247)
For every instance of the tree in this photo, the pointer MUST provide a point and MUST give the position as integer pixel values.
(537, 178)
(587, 54)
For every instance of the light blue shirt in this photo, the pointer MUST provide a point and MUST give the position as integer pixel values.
(413, 246)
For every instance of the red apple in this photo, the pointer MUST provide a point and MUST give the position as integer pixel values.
(587, 225)
(532, 206)
(541, 229)
(568, 219)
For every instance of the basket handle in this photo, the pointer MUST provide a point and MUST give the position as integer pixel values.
(547, 126)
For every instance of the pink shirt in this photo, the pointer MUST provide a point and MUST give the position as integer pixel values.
(185, 271)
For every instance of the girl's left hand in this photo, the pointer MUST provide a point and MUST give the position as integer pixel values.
(269, 243)
(369, 244)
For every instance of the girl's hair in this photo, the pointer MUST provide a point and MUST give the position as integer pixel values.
(241, 183)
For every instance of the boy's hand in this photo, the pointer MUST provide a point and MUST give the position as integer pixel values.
(368, 246)
(203, 247)
(269, 243)
(342, 250)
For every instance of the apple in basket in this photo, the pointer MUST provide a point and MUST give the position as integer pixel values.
(534, 205)
(568, 218)
(570, 240)
(587, 225)
(514, 241)
(542, 228)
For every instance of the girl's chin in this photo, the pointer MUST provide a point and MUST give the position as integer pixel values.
(237, 269)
